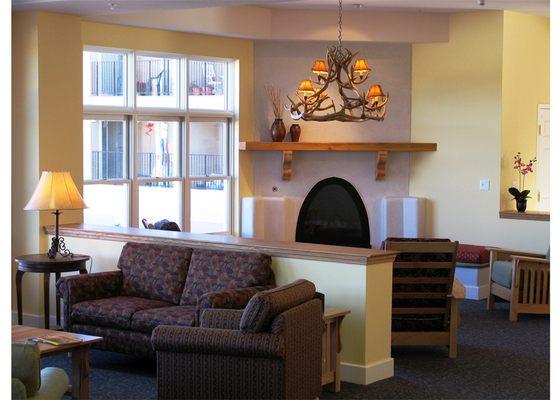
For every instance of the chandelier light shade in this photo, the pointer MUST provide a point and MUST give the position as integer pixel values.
(361, 67)
(306, 87)
(320, 68)
(313, 103)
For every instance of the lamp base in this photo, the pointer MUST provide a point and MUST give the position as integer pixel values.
(57, 245)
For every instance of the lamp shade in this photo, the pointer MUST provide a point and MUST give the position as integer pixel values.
(306, 87)
(361, 67)
(375, 91)
(319, 68)
(56, 191)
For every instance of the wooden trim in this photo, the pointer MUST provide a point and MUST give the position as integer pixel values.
(422, 247)
(307, 251)
(423, 264)
(420, 310)
(336, 146)
(527, 215)
(420, 279)
(419, 295)
(415, 338)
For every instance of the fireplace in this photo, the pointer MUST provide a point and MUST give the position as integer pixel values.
(333, 213)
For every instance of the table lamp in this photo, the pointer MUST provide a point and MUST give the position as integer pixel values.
(56, 191)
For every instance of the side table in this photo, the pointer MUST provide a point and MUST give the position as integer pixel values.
(41, 263)
(331, 346)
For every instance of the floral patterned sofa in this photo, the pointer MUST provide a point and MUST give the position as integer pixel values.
(159, 285)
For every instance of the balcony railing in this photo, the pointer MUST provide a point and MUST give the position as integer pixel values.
(106, 78)
(109, 165)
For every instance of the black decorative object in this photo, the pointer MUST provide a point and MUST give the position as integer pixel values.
(520, 198)
(58, 246)
(521, 205)
(333, 213)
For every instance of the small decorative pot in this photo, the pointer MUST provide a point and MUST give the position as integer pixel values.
(295, 131)
(521, 204)
(278, 130)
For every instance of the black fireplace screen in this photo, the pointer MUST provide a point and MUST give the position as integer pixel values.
(333, 213)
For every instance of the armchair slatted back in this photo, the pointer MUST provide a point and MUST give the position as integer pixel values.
(423, 274)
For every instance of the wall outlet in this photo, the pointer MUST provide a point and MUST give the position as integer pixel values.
(484, 185)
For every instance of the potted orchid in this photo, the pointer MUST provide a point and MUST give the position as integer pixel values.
(520, 195)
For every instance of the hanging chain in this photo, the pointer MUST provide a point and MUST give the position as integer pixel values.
(339, 23)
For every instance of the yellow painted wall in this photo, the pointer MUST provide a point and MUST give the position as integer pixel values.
(457, 103)
(525, 84)
(47, 109)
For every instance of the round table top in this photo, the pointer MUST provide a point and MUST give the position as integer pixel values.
(43, 259)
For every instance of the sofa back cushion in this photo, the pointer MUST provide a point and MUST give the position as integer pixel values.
(212, 270)
(154, 271)
(266, 305)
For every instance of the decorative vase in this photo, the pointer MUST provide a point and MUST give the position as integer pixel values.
(521, 204)
(295, 131)
(278, 130)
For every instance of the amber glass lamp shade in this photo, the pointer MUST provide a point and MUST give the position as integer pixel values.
(319, 68)
(361, 67)
(375, 93)
(306, 87)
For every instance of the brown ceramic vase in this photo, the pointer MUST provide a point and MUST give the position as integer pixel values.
(295, 131)
(278, 130)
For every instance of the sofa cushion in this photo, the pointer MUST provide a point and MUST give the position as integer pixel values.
(154, 271)
(114, 312)
(502, 272)
(147, 320)
(212, 270)
(266, 305)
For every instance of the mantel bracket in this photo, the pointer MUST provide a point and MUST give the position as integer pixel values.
(287, 156)
(381, 165)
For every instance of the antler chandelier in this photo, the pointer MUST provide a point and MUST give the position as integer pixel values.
(316, 105)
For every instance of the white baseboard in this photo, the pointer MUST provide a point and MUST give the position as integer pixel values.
(366, 374)
(477, 292)
(36, 321)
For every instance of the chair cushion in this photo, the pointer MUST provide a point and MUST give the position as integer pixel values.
(266, 305)
(472, 254)
(212, 271)
(115, 312)
(147, 320)
(502, 272)
(154, 271)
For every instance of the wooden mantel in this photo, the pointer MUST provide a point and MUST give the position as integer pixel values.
(382, 149)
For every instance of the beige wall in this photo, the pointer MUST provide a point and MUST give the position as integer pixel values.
(457, 102)
(525, 84)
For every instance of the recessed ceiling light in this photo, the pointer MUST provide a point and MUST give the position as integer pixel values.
(112, 6)
(358, 5)
(481, 2)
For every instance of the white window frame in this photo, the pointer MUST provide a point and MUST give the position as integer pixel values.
(132, 114)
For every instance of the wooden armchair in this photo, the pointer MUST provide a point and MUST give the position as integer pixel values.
(424, 309)
(521, 278)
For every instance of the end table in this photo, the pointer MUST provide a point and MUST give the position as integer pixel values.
(332, 345)
(41, 263)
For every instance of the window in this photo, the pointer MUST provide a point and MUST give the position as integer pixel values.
(207, 85)
(149, 154)
(157, 82)
(105, 172)
(104, 77)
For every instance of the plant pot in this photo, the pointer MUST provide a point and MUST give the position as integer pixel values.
(521, 205)
(295, 131)
(278, 130)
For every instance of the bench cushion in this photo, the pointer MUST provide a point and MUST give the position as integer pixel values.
(212, 270)
(502, 272)
(113, 312)
(147, 320)
(154, 271)
(472, 254)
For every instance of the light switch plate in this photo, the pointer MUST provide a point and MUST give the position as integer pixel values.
(484, 185)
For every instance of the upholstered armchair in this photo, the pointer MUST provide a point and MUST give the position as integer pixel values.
(521, 278)
(29, 381)
(270, 350)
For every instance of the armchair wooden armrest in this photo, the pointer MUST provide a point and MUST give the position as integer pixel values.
(505, 254)
(536, 260)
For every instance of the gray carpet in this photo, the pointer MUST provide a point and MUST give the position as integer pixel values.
(497, 359)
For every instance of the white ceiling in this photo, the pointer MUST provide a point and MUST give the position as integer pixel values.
(101, 7)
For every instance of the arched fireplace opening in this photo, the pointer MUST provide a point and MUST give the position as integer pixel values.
(333, 213)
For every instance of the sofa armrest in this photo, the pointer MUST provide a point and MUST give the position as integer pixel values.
(76, 288)
(220, 319)
(182, 339)
(229, 298)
